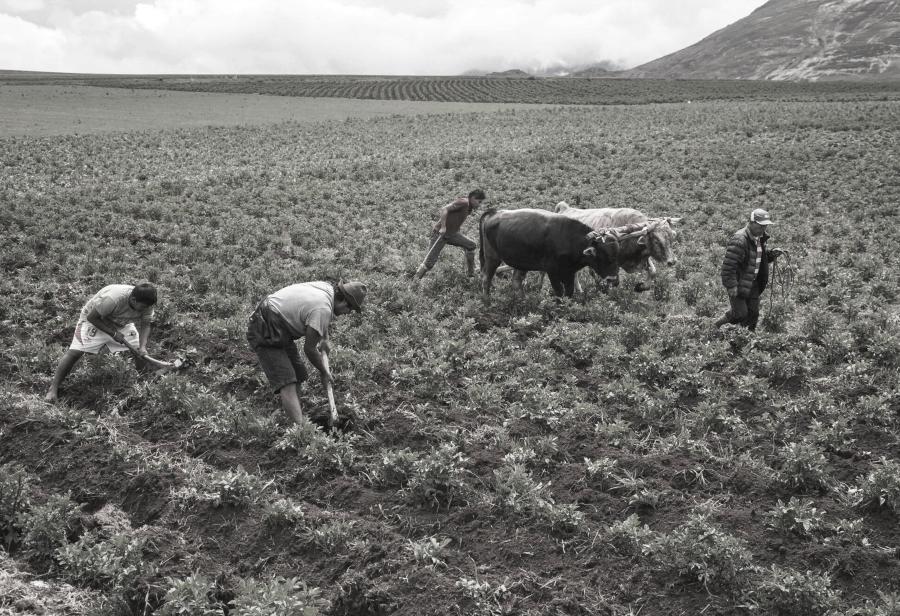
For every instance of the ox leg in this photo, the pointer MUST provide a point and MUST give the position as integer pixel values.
(569, 283)
(487, 277)
(649, 274)
(518, 279)
(557, 284)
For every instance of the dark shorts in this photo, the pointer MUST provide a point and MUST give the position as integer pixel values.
(277, 352)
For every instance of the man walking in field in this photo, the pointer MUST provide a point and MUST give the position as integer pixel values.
(303, 310)
(107, 323)
(745, 270)
(447, 231)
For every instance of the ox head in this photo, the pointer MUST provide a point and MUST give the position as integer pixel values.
(603, 255)
(659, 238)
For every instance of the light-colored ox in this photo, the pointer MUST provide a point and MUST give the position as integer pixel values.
(642, 252)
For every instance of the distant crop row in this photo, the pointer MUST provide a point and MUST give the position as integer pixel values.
(520, 90)
(557, 90)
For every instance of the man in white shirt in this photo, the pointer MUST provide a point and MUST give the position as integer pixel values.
(303, 310)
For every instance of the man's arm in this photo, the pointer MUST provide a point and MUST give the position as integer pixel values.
(144, 336)
(105, 326)
(311, 349)
(730, 265)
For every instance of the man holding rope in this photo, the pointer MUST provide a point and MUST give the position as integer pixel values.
(745, 270)
(107, 323)
(303, 310)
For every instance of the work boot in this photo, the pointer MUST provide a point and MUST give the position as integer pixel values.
(470, 263)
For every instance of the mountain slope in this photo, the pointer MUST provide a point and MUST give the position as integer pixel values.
(794, 39)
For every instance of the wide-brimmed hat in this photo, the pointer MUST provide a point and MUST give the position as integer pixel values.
(760, 217)
(354, 292)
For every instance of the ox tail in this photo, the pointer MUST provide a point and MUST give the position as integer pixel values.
(481, 240)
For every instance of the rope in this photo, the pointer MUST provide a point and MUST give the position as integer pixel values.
(781, 278)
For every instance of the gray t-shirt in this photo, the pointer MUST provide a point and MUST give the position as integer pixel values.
(308, 304)
(111, 303)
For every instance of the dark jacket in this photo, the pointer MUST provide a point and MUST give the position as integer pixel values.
(739, 261)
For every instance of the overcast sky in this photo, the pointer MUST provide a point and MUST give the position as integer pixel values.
(396, 37)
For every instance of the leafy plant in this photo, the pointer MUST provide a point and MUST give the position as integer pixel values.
(701, 552)
(601, 471)
(229, 487)
(394, 467)
(802, 466)
(429, 550)
(47, 526)
(276, 597)
(112, 563)
(629, 536)
(880, 488)
(788, 592)
(331, 536)
(190, 596)
(14, 501)
(321, 452)
(797, 516)
(437, 478)
(283, 511)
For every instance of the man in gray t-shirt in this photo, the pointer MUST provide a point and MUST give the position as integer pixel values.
(303, 310)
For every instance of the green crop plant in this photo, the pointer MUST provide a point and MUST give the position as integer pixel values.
(276, 597)
(601, 472)
(393, 468)
(104, 563)
(321, 452)
(880, 489)
(786, 592)
(516, 490)
(429, 550)
(438, 478)
(236, 487)
(700, 552)
(330, 536)
(190, 596)
(629, 536)
(803, 466)
(15, 500)
(797, 516)
(283, 512)
(47, 526)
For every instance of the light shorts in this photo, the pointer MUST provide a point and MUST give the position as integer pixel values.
(89, 339)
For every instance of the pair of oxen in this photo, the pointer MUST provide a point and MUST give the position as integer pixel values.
(561, 243)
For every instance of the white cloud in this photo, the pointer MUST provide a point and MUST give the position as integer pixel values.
(439, 37)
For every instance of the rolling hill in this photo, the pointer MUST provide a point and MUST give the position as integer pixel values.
(794, 40)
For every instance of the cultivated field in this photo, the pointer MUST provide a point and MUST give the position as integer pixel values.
(613, 456)
(66, 109)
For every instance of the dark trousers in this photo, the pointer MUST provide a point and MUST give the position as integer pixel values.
(744, 310)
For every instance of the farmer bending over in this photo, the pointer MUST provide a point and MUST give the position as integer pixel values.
(446, 231)
(745, 270)
(298, 311)
(107, 322)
